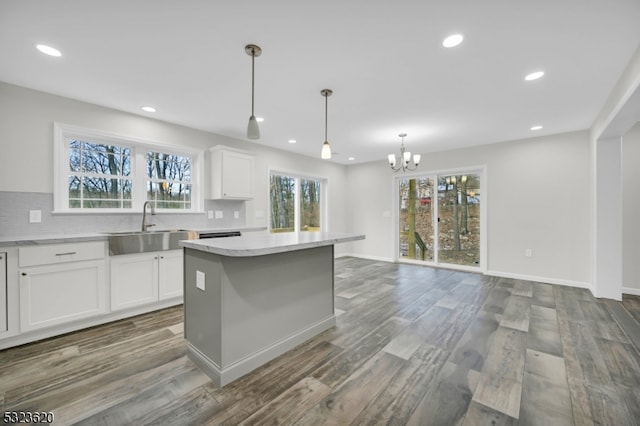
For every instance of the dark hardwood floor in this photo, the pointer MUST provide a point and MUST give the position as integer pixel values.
(412, 345)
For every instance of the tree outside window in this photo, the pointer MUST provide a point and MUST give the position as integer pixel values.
(295, 204)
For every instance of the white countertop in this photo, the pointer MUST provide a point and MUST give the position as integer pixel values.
(258, 245)
(26, 240)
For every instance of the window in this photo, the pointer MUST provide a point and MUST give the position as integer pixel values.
(99, 175)
(169, 180)
(101, 172)
(296, 203)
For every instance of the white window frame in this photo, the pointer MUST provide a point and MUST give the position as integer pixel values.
(139, 148)
(324, 205)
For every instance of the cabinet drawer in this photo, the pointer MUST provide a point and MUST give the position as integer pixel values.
(60, 253)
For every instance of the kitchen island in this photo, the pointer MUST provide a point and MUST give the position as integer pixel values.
(249, 299)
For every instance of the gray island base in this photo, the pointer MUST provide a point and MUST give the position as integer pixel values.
(250, 299)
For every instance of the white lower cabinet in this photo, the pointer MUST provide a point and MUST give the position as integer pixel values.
(170, 274)
(56, 294)
(49, 289)
(139, 279)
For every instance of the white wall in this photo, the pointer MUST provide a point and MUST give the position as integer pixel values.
(537, 195)
(537, 190)
(631, 211)
(26, 141)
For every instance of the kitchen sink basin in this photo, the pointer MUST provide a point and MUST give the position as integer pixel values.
(128, 242)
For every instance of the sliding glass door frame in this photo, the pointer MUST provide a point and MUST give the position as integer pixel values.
(395, 215)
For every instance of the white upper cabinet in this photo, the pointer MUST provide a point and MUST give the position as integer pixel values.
(232, 174)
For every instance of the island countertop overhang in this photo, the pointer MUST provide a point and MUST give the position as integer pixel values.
(260, 245)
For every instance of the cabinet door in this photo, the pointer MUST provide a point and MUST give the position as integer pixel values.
(231, 174)
(56, 294)
(237, 175)
(134, 280)
(170, 274)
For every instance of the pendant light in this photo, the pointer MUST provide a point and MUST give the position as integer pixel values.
(326, 148)
(253, 131)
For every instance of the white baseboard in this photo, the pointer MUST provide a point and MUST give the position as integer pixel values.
(546, 280)
(631, 290)
(367, 257)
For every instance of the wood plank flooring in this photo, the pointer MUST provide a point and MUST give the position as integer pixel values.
(412, 345)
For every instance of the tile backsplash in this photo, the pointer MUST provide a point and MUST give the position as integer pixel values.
(15, 208)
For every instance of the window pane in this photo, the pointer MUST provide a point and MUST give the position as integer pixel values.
(416, 218)
(169, 195)
(97, 169)
(168, 167)
(91, 192)
(459, 219)
(169, 180)
(282, 192)
(309, 205)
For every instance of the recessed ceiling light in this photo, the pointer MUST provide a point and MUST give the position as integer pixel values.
(534, 75)
(292, 141)
(48, 50)
(536, 128)
(148, 109)
(453, 40)
(259, 119)
(352, 158)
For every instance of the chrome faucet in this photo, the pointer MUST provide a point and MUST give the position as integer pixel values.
(145, 225)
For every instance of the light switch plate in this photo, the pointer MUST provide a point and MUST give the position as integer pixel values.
(219, 214)
(236, 215)
(210, 214)
(35, 216)
(200, 280)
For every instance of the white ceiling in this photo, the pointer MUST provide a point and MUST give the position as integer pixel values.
(383, 60)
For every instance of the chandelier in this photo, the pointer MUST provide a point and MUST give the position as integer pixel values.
(405, 158)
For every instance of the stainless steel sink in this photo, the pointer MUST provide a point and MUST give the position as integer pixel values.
(128, 242)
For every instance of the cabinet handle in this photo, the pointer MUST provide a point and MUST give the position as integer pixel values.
(24, 274)
(66, 254)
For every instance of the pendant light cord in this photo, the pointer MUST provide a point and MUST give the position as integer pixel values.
(253, 62)
(326, 109)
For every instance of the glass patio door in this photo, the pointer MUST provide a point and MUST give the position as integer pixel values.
(439, 219)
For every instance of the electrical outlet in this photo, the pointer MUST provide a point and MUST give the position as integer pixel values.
(528, 252)
(210, 214)
(236, 215)
(200, 280)
(219, 214)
